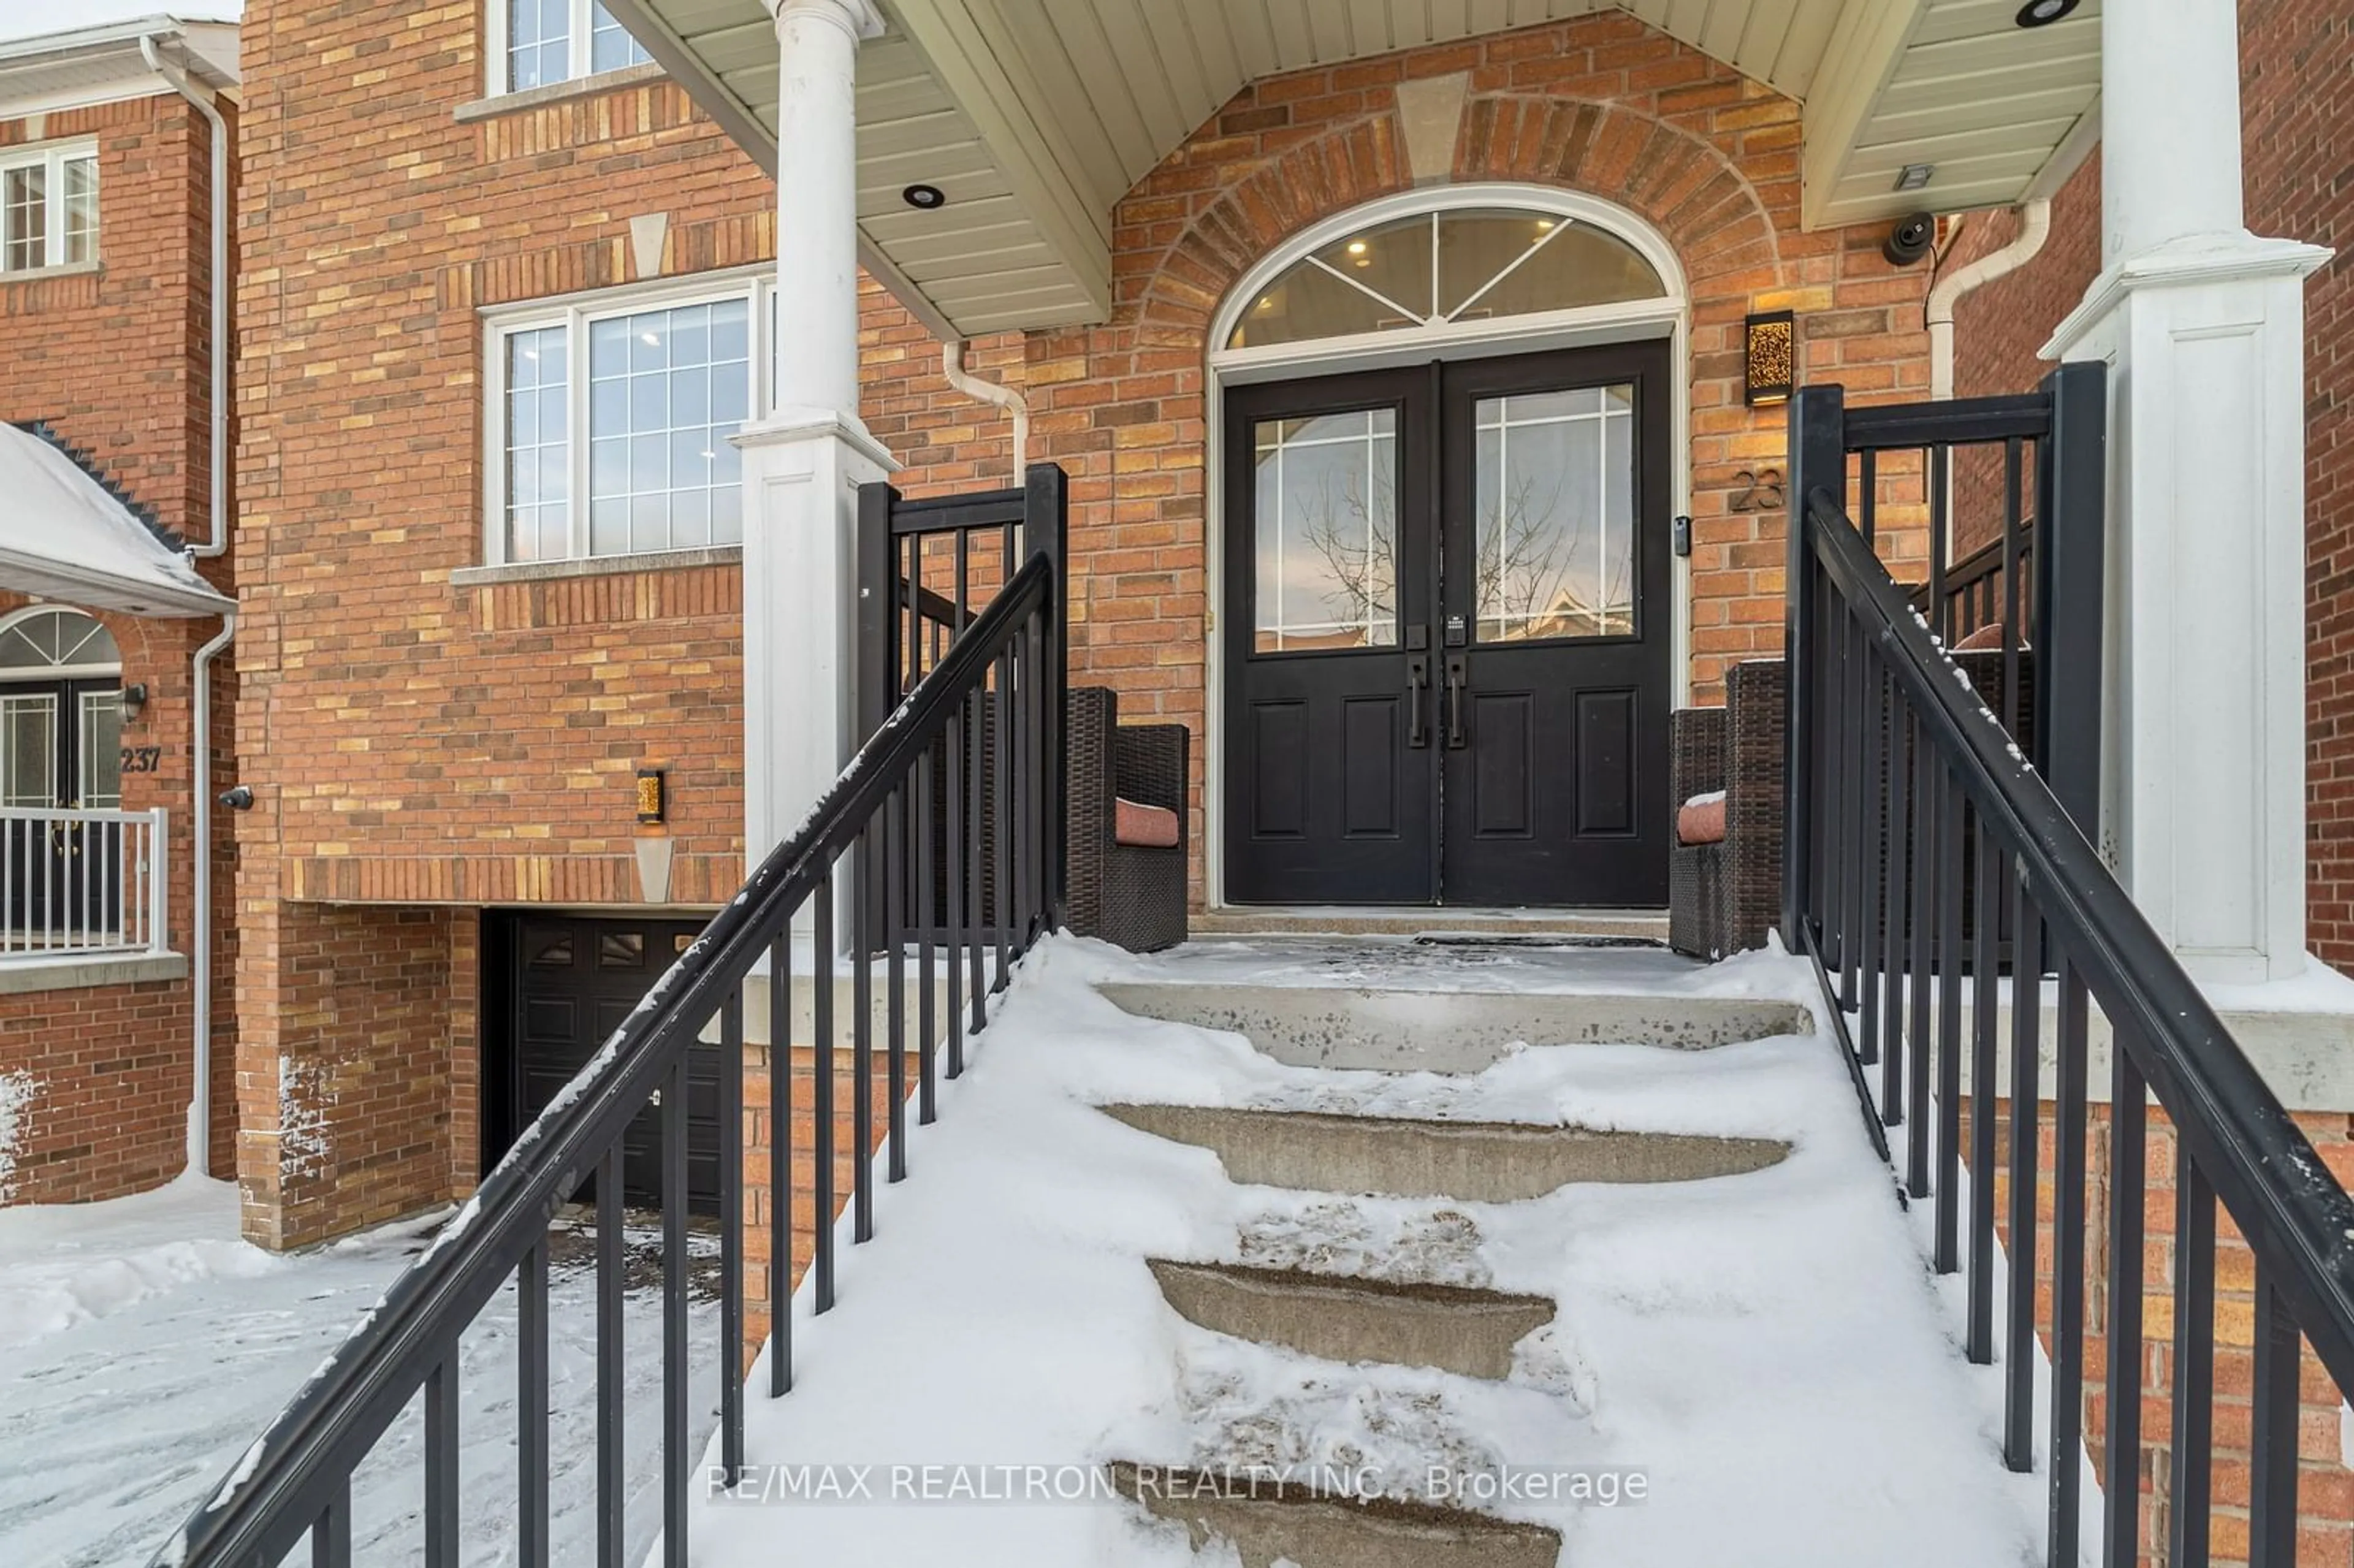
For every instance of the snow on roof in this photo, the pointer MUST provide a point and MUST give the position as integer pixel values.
(65, 535)
(22, 19)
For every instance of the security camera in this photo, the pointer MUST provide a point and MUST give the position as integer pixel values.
(1910, 238)
(237, 799)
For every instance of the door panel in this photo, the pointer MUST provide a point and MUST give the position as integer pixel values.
(1331, 794)
(1556, 485)
(570, 981)
(1447, 634)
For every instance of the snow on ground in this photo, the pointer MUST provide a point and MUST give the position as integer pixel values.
(1769, 1350)
(143, 1346)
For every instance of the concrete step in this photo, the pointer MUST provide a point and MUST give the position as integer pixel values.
(1344, 1318)
(1396, 1030)
(1491, 1162)
(1422, 920)
(1269, 1523)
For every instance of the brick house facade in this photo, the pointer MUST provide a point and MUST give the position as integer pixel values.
(428, 735)
(112, 360)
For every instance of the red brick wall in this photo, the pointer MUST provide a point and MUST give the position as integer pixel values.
(116, 360)
(1601, 104)
(2296, 80)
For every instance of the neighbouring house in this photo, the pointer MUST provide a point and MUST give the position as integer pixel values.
(117, 195)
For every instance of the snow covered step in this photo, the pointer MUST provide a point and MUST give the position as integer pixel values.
(1270, 1523)
(1397, 1030)
(1454, 1327)
(1472, 1162)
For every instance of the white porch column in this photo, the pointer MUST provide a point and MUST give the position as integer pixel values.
(803, 463)
(2202, 323)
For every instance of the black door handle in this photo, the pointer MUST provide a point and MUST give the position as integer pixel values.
(1418, 682)
(1457, 677)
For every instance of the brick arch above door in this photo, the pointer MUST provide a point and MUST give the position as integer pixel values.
(1679, 182)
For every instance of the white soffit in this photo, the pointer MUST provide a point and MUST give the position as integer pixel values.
(99, 61)
(1035, 117)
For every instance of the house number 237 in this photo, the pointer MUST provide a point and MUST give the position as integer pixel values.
(142, 758)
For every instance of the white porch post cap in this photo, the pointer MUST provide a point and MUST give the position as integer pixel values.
(859, 18)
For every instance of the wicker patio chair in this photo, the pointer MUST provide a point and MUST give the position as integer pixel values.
(1132, 894)
(1722, 898)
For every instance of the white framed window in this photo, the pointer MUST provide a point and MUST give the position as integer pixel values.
(537, 43)
(49, 206)
(608, 419)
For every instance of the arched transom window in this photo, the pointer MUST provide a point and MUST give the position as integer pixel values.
(1433, 269)
(49, 643)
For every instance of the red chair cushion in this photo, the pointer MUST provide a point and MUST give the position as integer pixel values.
(1143, 827)
(1701, 820)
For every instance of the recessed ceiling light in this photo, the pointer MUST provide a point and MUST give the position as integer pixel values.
(1544, 224)
(1915, 175)
(2043, 13)
(924, 198)
(1356, 248)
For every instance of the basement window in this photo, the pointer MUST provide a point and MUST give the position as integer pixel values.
(542, 42)
(610, 418)
(48, 207)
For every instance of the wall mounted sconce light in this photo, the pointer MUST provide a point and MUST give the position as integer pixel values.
(134, 700)
(653, 796)
(1770, 358)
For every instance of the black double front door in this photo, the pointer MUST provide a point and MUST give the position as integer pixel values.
(1446, 634)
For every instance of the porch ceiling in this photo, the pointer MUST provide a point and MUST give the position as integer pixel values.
(1036, 116)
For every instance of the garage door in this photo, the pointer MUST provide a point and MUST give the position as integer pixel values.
(562, 985)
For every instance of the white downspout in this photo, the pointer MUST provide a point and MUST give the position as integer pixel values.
(2034, 228)
(180, 84)
(1004, 397)
(201, 937)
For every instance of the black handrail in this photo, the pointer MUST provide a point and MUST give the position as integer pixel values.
(297, 1476)
(1989, 835)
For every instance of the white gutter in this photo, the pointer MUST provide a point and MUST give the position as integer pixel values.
(1006, 397)
(2034, 228)
(201, 937)
(179, 83)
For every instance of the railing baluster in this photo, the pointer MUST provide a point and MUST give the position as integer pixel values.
(2273, 1436)
(780, 1163)
(1000, 810)
(1904, 765)
(1017, 807)
(927, 915)
(1934, 460)
(821, 1098)
(531, 1400)
(861, 1042)
(895, 978)
(2012, 516)
(2121, 1442)
(983, 728)
(2026, 1132)
(676, 1456)
(2192, 1474)
(441, 1463)
(1846, 835)
(731, 1237)
(1872, 856)
(1950, 904)
(1986, 900)
(2068, 1272)
(1925, 857)
(331, 1533)
(612, 1477)
(958, 873)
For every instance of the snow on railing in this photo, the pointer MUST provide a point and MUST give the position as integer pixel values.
(81, 882)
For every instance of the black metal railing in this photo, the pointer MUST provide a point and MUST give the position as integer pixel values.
(1897, 896)
(1988, 467)
(903, 797)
